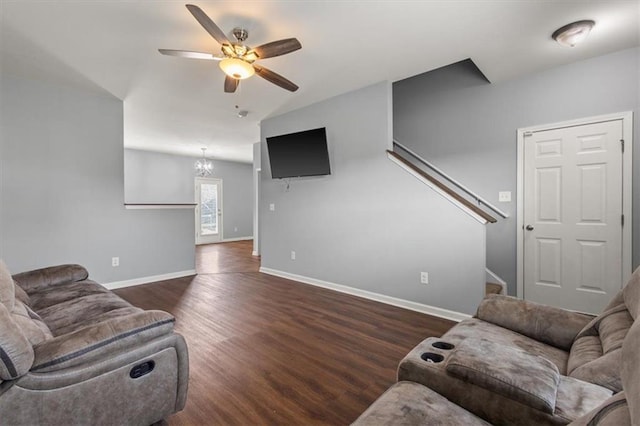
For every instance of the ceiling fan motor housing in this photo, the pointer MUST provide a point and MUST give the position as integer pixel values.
(240, 34)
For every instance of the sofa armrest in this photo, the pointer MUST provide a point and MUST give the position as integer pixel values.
(547, 324)
(100, 340)
(39, 279)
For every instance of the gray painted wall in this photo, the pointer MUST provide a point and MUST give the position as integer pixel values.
(62, 187)
(152, 177)
(369, 225)
(467, 127)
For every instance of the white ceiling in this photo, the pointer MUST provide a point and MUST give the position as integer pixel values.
(178, 105)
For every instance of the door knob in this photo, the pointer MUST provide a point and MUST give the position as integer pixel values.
(529, 228)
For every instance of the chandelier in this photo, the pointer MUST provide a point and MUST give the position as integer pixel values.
(203, 166)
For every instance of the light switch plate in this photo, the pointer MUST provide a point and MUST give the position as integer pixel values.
(504, 196)
(272, 207)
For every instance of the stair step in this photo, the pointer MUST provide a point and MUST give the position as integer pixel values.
(492, 288)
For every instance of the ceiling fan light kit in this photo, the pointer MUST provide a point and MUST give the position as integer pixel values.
(237, 68)
(237, 60)
(573, 33)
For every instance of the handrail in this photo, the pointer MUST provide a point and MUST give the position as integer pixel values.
(434, 183)
(473, 195)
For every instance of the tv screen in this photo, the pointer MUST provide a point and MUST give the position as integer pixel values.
(299, 154)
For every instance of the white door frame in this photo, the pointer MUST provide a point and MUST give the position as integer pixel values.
(627, 190)
(198, 180)
(256, 211)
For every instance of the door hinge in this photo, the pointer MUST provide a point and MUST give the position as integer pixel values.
(622, 220)
(622, 144)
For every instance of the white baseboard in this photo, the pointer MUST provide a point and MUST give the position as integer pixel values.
(254, 253)
(146, 280)
(407, 304)
(229, 240)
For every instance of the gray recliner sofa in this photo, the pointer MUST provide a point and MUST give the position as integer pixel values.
(73, 352)
(523, 363)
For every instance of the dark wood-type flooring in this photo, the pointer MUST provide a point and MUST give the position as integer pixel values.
(265, 350)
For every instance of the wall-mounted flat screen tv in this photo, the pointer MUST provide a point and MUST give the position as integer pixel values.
(299, 154)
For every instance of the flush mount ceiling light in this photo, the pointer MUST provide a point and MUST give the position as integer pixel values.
(237, 68)
(203, 166)
(573, 33)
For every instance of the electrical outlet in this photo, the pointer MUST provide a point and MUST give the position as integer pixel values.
(115, 261)
(272, 207)
(293, 255)
(504, 196)
(424, 278)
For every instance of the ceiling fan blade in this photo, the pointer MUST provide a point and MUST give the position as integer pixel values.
(189, 54)
(208, 24)
(277, 48)
(275, 78)
(230, 84)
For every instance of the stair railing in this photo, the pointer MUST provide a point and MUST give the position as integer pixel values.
(469, 192)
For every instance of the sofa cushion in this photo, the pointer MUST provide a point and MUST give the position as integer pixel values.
(7, 287)
(22, 295)
(75, 305)
(613, 412)
(507, 371)
(34, 329)
(476, 328)
(631, 294)
(595, 354)
(16, 352)
(631, 369)
(408, 403)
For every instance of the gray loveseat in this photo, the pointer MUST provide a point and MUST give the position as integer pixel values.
(523, 363)
(72, 352)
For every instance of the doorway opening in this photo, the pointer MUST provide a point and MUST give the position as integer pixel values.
(208, 211)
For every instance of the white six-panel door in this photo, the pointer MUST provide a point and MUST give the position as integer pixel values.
(572, 215)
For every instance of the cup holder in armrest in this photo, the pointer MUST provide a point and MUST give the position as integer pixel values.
(431, 357)
(443, 345)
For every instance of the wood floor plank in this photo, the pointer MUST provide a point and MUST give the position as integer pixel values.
(266, 350)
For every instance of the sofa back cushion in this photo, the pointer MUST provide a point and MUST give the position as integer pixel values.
(16, 352)
(631, 370)
(596, 353)
(20, 328)
(7, 287)
(631, 294)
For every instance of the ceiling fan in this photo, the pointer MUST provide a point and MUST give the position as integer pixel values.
(238, 60)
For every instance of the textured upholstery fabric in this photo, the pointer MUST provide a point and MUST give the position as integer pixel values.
(631, 370)
(574, 397)
(89, 343)
(16, 353)
(7, 287)
(596, 353)
(606, 351)
(476, 328)
(42, 279)
(613, 412)
(553, 326)
(20, 329)
(631, 294)
(22, 295)
(31, 325)
(408, 403)
(80, 373)
(507, 371)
